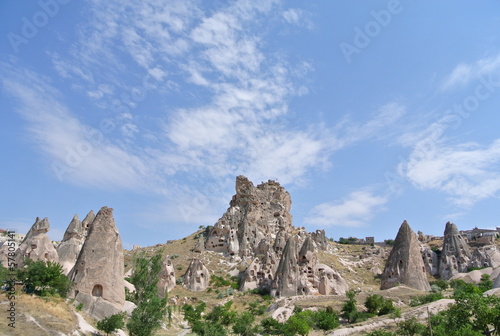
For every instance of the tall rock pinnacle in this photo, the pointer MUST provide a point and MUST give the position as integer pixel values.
(98, 272)
(405, 265)
(456, 255)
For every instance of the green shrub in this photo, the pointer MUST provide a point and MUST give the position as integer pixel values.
(111, 323)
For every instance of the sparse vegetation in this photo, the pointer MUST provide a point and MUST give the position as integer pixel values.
(151, 309)
(111, 323)
(389, 242)
(349, 240)
(44, 278)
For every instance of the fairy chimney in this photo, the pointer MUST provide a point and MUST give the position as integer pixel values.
(98, 271)
(456, 255)
(405, 265)
(166, 276)
(197, 276)
(37, 244)
(69, 248)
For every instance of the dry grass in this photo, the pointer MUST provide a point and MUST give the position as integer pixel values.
(39, 316)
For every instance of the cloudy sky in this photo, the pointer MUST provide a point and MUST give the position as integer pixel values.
(368, 113)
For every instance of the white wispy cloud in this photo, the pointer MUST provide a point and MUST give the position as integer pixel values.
(464, 73)
(354, 210)
(298, 17)
(75, 151)
(467, 172)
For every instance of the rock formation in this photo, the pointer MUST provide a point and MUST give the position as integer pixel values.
(69, 248)
(496, 284)
(329, 281)
(37, 244)
(405, 265)
(255, 213)
(486, 256)
(197, 276)
(98, 271)
(87, 222)
(200, 245)
(258, 227)
(455, 256)
(430, 259)
(166, 276)
(287, 274)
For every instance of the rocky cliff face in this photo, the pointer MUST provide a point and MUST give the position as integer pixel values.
(456, 255)
(258, 226)
(98, 271)
(37, 244)
(405, 265)
(431, 260)
(255, 213)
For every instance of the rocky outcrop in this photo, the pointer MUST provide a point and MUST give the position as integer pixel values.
(496, 284)
(69, 248)
(166, 276)
(431, 260)
(87, 222)
(37, 244)
(258, 227)
(98, 271)
(329, 282)
(456, 255)
(405, 265)
(255, 213)
(200, 245)
(197, 276)
(486, 256)
(287, 282)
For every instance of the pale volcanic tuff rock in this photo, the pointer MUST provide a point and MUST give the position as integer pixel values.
(486, 256)
(37, 244)
(197, 276)
(98, 271)
(431, 260)
(287, 274)
(255, 213)
(69, 248)
(405, 265)
(166, 276)
(456, 255)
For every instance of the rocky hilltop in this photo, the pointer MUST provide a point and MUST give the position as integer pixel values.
(257, 226)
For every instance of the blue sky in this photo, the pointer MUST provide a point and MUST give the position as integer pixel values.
(369, 113)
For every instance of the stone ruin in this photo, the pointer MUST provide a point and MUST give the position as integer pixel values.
(455, 256)
(166, 276)
(197, 276)
(37, 244)
(258, 226)
(405, 265)
(98, 271)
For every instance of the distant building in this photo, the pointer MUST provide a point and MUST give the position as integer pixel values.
(477, 233)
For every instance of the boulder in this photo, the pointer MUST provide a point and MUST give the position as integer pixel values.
(197, 276)
(405, 265)
(98, 271)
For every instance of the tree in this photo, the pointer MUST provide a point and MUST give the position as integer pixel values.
(486, 283)
(410, 327)
(243, 324)
(349, 310)
(295, 325)
(151, 309)
(111, 323)
(373, 303)
(44, 278)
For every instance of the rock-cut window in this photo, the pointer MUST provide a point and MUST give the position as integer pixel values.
(97, 290)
